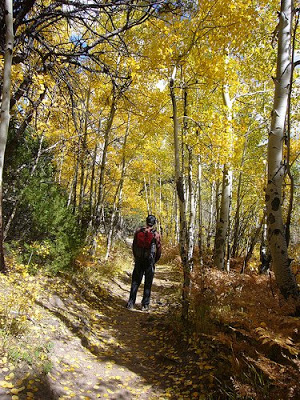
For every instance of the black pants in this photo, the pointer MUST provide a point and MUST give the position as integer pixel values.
(142, 266)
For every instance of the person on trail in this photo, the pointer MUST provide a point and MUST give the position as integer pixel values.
(146, 248)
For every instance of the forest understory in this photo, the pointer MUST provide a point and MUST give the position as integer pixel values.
(71, 337)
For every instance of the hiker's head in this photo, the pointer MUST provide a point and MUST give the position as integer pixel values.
(150, 220)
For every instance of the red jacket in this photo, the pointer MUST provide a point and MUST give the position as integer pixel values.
(157, 240)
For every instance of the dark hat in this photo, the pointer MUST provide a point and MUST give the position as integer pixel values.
(151, 220)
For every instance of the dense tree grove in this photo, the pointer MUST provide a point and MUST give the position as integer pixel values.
(123, 108)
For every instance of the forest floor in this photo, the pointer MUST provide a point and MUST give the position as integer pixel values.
(82, 343)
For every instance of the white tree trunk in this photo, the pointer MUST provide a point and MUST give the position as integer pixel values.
(222, 230)
(83, 155)
(223, 221)
(190, 187)
(192, 212)
(118, 195)
(236, 230)
(176, 220)
(200, 222)
(5, 106)
(276, 169)
(211, 215)
(182, 201)
(99, 212)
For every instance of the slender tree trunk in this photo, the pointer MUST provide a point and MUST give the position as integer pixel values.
(181, 200)
(146, 196)
(160, 205)
(151, 195)
(70, 186)
(211, 215)
(288, 140)
(107, 131)
(236, 229)
(190, 192)
(75, 181)
(226, 202)
(264, 251)
(92, 184)
(10, 220)
(200, 239)
(276, 169)
(175, 217)
(5, 116)
(250, 248)
(192, 211)
(61, 163)
(223, 222)
(118, 195)
(83, 155)
(217, 200)
(117, 199)
(38, 156)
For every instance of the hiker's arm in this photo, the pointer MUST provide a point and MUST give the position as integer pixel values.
(158, 247)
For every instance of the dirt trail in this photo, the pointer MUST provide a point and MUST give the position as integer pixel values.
(99, 349)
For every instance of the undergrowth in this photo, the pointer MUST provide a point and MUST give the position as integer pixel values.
(94, 270)
(253, 328)
(20, 344)
(247, 316)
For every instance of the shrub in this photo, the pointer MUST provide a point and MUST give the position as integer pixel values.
(53, 224)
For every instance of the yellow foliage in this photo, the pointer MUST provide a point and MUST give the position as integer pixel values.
(17, 300)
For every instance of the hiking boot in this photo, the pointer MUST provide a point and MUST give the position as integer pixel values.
(129, 305)
(145, 307)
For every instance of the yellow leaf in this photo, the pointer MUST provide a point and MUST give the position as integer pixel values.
(7, 385)
(10, 376)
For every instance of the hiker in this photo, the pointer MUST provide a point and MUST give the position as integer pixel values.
(146, 248)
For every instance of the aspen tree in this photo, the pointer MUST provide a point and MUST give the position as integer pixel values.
(223, 221)
(276, 165)
(107, 132)
(191, 192)
(182, 204)
(200, 222)
(236, 229)
(83, 154)
(118, 194)
(211, 213)
(5, 105)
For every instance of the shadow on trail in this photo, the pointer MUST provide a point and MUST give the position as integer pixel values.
(137, 355)
(142, 343)
(143, 340)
